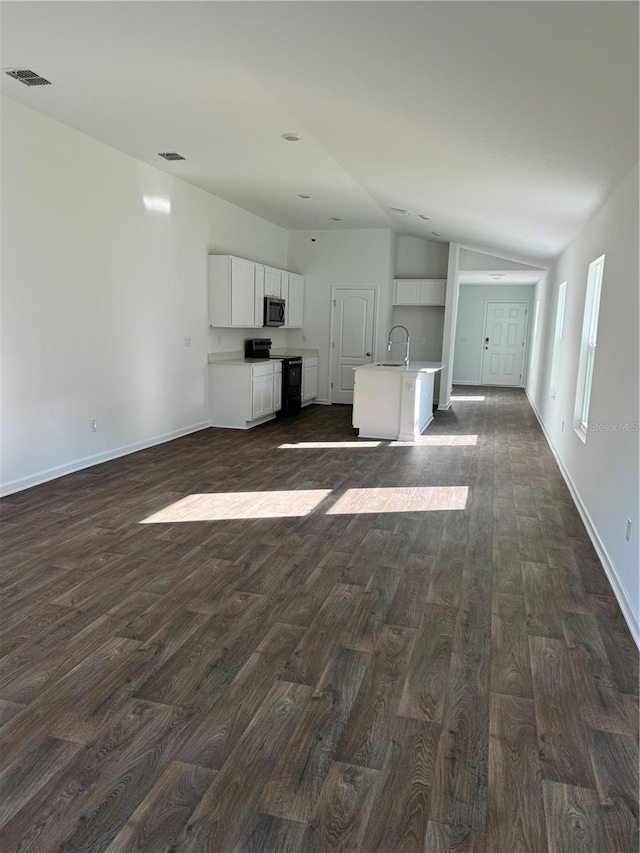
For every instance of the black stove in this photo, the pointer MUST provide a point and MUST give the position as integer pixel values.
(291, 374)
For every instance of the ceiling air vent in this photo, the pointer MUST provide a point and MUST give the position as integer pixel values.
(29, 78)
(399, 210)
(171, 155)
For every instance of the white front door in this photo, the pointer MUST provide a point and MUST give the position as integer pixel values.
(353, 314)
(503, 343)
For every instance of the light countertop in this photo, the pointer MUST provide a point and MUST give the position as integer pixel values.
(238, 357)
(412, 367)
(305, 352)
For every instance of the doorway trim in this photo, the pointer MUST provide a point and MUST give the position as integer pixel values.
(347, 286)
(525, 356)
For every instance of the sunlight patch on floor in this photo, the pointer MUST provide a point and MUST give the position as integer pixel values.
(438, 441)
(405, 499)
(233, 505)
(322, 445)
(468, 398)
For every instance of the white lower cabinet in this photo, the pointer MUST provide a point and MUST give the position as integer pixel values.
(277, 387)
(244, 394)
(309, 379)
(261, 396)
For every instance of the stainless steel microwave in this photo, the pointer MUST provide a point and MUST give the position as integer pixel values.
(273, 311)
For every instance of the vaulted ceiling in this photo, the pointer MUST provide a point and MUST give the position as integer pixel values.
(506, 123)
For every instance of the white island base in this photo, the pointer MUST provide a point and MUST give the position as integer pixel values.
(394, 401)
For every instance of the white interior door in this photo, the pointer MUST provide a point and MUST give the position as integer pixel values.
(353, 314)
(503, 343)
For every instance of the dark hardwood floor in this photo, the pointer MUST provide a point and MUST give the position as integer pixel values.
(393, 675)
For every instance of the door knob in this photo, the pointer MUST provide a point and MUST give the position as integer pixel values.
(368, 354)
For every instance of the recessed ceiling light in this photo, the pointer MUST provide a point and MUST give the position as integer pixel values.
(171, 155)
(422, 216)
(29, 78)
(336, 219)
(291, 137)
(304, 195)
(399, 210)
(435, 234)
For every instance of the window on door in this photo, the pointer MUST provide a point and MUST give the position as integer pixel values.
(588, 347)
(557, 340)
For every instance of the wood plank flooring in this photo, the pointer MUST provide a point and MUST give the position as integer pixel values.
(309, 681)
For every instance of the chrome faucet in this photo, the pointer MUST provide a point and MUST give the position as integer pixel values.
(389, 342)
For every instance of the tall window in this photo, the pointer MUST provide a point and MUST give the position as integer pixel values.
(555, 359)
(588, 347)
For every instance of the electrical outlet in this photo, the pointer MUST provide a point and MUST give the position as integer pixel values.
(187, 340)
(628, 529)
(304, 339)
(219, 340)
(562, 427)
(93, 426)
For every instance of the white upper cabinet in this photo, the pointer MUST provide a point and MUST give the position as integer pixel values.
(272, 282)
(237, 288)
(432, 291)
(236, 292)
(406, 292)
(294, 307)
(259, 295)
(417, 291)
(284, 291)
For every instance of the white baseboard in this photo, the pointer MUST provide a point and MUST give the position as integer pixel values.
(619, 590)
(13, 486)
(466, 382)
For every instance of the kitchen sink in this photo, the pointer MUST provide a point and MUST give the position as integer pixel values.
(389, 364)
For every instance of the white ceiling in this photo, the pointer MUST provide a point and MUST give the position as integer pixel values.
(506, 122)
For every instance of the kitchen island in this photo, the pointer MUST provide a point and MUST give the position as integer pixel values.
(394, 401)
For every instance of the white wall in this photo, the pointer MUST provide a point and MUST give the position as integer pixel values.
(417, 258)
(470, 325)
(604, 470)
(425, 328)
(340, 257)
(98, 294)
(472, 260)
